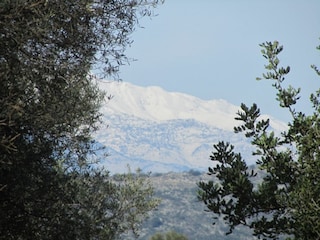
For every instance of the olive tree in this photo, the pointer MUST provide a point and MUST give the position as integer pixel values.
(286, 201)
(49, 109)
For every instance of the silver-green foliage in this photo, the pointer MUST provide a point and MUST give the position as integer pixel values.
(49, 109)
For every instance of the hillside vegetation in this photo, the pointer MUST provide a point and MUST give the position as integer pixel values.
(181, 211)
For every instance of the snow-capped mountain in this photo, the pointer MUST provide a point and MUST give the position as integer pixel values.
(160, 131)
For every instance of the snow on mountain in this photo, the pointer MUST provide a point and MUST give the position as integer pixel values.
(154, 103)
(160, 131)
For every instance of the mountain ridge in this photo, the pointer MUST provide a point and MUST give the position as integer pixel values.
(159, 131)
(154, 103)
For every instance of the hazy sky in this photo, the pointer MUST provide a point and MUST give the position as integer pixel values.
(210, 49)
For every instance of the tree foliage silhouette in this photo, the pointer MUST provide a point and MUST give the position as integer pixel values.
(286, 202)
(49, 109)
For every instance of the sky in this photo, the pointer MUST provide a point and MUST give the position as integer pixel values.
(210, 49)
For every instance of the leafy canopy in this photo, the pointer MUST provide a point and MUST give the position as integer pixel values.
(286, 201)
(49, 109)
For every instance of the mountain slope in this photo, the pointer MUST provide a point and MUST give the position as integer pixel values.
(160, 131)
(155, 104)
(181, 211)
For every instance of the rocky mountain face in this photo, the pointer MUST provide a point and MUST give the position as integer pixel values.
(159, 131)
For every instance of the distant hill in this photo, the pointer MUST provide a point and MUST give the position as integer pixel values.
(180, 210)
(159, 131)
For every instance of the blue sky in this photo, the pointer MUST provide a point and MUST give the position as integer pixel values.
(210, 49)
